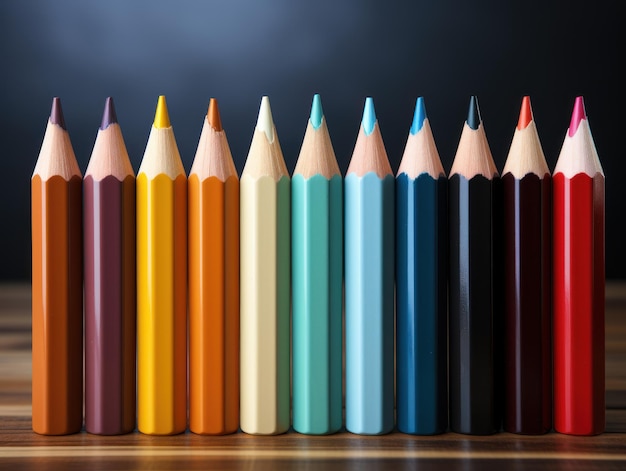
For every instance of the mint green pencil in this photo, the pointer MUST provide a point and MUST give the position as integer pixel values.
(317, 274)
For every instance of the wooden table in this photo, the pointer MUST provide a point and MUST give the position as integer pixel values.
(20, 448)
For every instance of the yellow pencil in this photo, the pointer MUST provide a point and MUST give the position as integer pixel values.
(161, 283)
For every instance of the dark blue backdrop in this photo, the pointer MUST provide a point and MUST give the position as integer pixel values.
(345, 50)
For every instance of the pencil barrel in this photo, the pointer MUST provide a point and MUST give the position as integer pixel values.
(213, 305)
(161, 304)
(110, 307)
(265, 305)
(57, 305)
(317, 290)
(528, 352)
(472, 330)
(369, 292)
(579, 281)
(421, 304)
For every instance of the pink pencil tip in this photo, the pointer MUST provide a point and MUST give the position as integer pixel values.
(577, 115)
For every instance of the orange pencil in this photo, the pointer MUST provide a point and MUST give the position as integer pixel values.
(213, 283)
(57, 284)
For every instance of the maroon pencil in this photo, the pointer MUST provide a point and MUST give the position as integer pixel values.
(110, 310)
(527, 240)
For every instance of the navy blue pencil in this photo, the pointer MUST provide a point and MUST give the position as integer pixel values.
(421, 284)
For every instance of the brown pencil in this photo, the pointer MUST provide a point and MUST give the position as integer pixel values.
(57, 290)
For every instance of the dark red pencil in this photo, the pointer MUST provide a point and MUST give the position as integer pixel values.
(579, 279)
(527, 240)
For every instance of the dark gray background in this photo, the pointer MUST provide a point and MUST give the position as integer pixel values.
(345, 50)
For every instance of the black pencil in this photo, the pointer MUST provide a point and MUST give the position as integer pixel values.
(473, 372)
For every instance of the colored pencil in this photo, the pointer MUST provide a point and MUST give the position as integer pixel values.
(161, 283)
(265, 283)
(110, 307)
(527, 191)
(213, 282)
(369, 279)
(473, 333)
(317, 281)
(579, 278)
(57, 283)
(421, 284)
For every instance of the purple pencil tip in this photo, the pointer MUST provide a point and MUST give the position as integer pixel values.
(108, 117)
(56, 114)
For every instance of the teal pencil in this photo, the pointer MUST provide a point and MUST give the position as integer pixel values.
(317, 269)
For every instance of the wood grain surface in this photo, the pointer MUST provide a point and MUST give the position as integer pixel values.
(20, 448)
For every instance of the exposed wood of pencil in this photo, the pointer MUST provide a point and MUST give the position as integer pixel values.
(369, 154)
(473, 156)
(317, 156)
(525, 154)
(579, 155)
(421, 155)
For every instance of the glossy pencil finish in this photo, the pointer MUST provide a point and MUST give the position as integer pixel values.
(110, 306)
(57, 284)
(421, 284)
(579, 279)
(473, 326)
(265, 283)
(527, 191)
(161, 283)
(317, 281)
(213, 283)
(369, 276)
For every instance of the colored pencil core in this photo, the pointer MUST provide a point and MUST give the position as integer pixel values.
(419, 116)
(369, 116)
(316, 112)
(161, 116)
(213, 115)
(525, 115)
(577, 115)
(56, 114)
(473, 115)
(108, 116)
(265, 121)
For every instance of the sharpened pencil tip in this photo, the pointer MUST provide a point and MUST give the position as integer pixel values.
(369, 116)
(265, 122)
(213, 115)
(525, 114)
(419, 116)
(161, 117)
(108, 116)
(316, 112)
(473, 115)
(56, 114)
(578, 115)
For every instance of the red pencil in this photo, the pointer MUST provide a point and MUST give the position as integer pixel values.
(579, 278)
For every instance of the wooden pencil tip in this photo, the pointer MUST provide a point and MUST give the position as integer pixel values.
(213, 115)
(525, 114)
(369, 116)
(265, 122)
(108, 116)
(161, 117)
(419, 116)
(578, 115)
(316, 112)
(56, 114)
(473, 115)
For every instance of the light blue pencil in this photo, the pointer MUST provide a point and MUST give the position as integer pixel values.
(369, 280)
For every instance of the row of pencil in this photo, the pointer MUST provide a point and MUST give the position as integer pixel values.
(216, 302)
